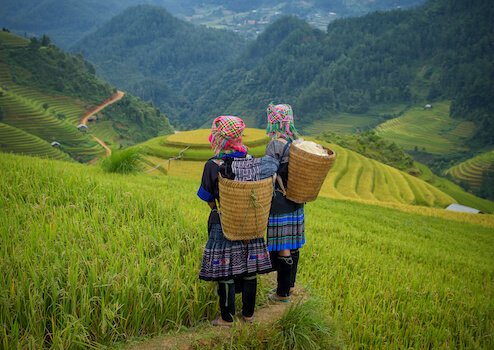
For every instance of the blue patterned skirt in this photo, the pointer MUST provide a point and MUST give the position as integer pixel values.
(286, 231)
(224, 259)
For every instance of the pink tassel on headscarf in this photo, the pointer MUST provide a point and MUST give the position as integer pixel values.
(280, 122)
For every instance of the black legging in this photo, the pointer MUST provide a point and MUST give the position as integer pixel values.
(287, 267)
(226, 291)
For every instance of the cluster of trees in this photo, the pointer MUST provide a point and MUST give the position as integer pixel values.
(136, 120)
(45, 66)
(372, 146)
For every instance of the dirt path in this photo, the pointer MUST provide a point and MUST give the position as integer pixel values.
(266, 315)
(117, 96)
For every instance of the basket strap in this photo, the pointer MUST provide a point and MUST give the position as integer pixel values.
(280, 181)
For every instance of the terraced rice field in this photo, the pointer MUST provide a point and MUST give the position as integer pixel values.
(105, 132)
(432, 130)
(20, 113)
(72, 109)
(352, 176)
(198, 148)
(24, 109)
(341, 123)
(12, 40)
(471, 170)
(17, 141)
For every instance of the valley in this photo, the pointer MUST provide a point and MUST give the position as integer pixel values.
(102, 149)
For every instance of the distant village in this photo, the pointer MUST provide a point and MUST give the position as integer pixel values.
(252, 23)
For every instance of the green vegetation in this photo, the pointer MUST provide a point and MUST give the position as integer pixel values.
(372, 146)
(31, 102)
(302, 326)
(136, 120)
(431, 131)
(51, 70)
(90, 258)
(179, 57)
(125, 161)
(362, 62)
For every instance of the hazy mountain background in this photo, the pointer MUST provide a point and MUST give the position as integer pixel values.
(66, 21)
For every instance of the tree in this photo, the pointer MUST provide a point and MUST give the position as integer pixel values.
(487, 185)
(45, 41)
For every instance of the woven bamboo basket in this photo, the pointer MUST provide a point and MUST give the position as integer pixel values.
(244, 207)
(306, 174)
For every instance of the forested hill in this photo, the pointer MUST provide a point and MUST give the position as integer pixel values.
(44, 94)
(67, 21)
(154, 55)
(441, 50)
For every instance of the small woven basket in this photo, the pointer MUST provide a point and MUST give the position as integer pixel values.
(306, 174)
(245, 206)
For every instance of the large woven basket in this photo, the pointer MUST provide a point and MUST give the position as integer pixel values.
(306, 174)
(244, 207)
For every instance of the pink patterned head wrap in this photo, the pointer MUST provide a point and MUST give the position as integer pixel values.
(226, 135)
(280, 122)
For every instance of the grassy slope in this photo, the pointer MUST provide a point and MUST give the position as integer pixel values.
(432, 130)
(90, 257)
(471, 170)
(23, 110)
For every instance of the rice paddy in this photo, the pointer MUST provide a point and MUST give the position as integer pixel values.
(45, 117)
(471, 170)
(89, 259)
(432, 131)
(352, 176)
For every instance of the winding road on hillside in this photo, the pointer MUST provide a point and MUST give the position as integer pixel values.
(115, 97)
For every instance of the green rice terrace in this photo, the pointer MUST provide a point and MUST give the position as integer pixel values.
(427, 130)
(471, 170)
(21, 110)
(33, 120)
(91, 259)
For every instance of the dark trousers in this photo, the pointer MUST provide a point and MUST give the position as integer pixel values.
(227, 290)
(287, 267)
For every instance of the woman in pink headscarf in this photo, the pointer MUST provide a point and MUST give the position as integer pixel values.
(286, 225)
(234, 264)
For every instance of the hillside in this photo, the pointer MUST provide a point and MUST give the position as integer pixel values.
(44, 94)
(110, 258)
(477, 173)
(67, 21)
(153, 55)
(366, 64)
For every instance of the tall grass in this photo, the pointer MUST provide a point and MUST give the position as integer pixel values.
(401, 281)
(303, 326)
(90, 258)
(124, 161)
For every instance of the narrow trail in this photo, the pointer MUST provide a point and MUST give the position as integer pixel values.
(117, 96)
(265, 316)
